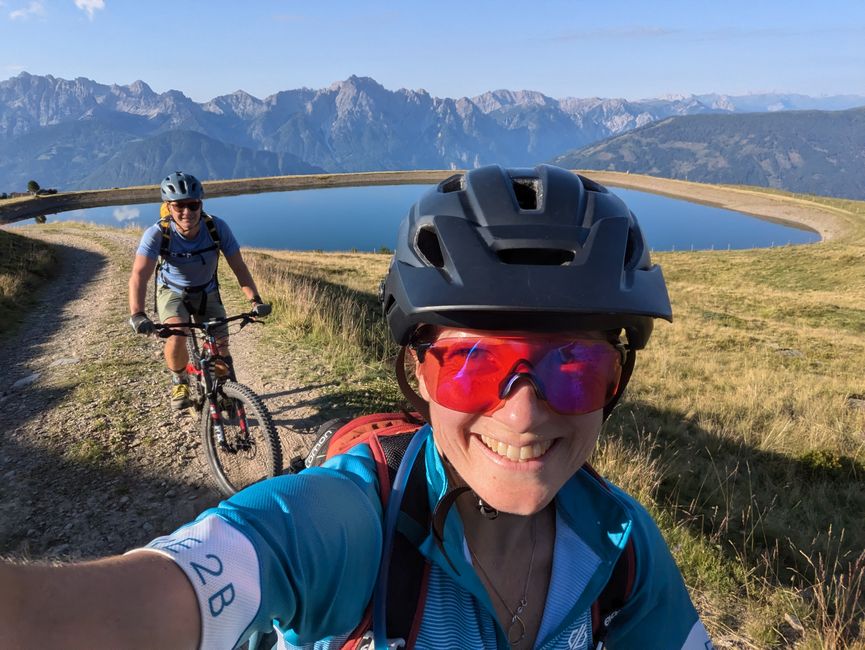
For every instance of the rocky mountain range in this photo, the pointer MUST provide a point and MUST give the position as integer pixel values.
(78, 133)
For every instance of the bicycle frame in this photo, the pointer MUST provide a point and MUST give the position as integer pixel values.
(202, 368)
(238, 431)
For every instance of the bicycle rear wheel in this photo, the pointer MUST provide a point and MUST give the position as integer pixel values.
(250, 450)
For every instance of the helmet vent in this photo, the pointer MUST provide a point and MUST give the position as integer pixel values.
(633, 250)
(429, 246)
(455, 183)
(536, 256)
(629, 250)
(526, 192)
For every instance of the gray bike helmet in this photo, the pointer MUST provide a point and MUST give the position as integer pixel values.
(180, 186)
(538, 249)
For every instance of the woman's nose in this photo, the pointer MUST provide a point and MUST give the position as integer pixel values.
(522, 410)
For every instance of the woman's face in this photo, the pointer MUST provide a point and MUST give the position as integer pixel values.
(482, 447)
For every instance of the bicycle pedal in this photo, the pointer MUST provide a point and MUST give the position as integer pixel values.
(295, 465)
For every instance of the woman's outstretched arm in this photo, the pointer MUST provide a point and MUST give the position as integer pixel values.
(140, 600)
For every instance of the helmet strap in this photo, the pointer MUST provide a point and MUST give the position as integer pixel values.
(416, 400)
(627, 369)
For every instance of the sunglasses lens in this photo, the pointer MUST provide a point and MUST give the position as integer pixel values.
(467, 375)
(580, 377)
(576, 376)
(192, 206)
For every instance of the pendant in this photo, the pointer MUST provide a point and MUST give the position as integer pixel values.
(486, 511)
(516, 631)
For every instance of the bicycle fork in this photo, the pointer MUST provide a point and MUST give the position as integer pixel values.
(217, 423)
(243, 440)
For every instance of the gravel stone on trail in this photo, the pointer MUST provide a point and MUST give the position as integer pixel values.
(93, 461)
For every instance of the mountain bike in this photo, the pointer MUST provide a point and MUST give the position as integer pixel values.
(240, 441)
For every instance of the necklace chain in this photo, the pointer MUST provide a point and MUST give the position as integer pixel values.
(517, 626)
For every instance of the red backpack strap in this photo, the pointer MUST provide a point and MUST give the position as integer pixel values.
(388, 436)
(407, 583)
(618, 589)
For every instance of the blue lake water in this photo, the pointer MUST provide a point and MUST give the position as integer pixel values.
(366, 218)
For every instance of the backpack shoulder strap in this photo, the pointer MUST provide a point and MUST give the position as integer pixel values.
(618, 589)
(407, 584)
(210, 224)
(388, 436)
(165, 241)
(615, 594)
(164, 245)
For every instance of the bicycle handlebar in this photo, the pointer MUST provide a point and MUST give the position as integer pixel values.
(164, 330)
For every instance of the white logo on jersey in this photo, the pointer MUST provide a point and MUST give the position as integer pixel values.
(578, 638)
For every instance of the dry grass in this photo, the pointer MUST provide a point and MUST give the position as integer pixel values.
(24, 265)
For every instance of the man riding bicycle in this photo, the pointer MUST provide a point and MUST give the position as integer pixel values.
(186, 244)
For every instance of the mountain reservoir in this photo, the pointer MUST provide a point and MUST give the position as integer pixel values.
(366, 219)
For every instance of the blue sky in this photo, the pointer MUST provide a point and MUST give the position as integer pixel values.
(573, 48)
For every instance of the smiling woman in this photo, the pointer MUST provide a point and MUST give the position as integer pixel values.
(519, 357)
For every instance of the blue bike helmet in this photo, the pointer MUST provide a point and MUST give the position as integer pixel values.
(180, 186)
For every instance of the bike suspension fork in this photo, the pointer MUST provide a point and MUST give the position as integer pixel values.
(216, 419)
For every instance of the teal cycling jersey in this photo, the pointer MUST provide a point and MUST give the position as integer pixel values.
(188, 262)
(299, 553)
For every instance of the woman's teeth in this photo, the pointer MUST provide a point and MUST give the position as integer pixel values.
(517, 454)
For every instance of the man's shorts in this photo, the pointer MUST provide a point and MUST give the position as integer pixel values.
(171, 304)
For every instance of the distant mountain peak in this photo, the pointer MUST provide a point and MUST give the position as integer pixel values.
(359, 83)
(139, 87)
(676, 97)
(502, 98)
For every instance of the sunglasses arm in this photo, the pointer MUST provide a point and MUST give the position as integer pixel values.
(627, 369)
(416, 400)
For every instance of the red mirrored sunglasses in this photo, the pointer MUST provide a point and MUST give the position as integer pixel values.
(476, 374)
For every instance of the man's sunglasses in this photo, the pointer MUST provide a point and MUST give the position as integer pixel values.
(192, 206)
(476, 374)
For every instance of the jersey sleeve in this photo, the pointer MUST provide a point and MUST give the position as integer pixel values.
(227, 241)
(659, 612)
(299, 552)
(150, 242)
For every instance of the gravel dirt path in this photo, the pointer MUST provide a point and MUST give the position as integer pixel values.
(92, 459)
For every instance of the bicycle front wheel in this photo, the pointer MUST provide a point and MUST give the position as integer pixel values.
(192, 348)
(248, 450)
